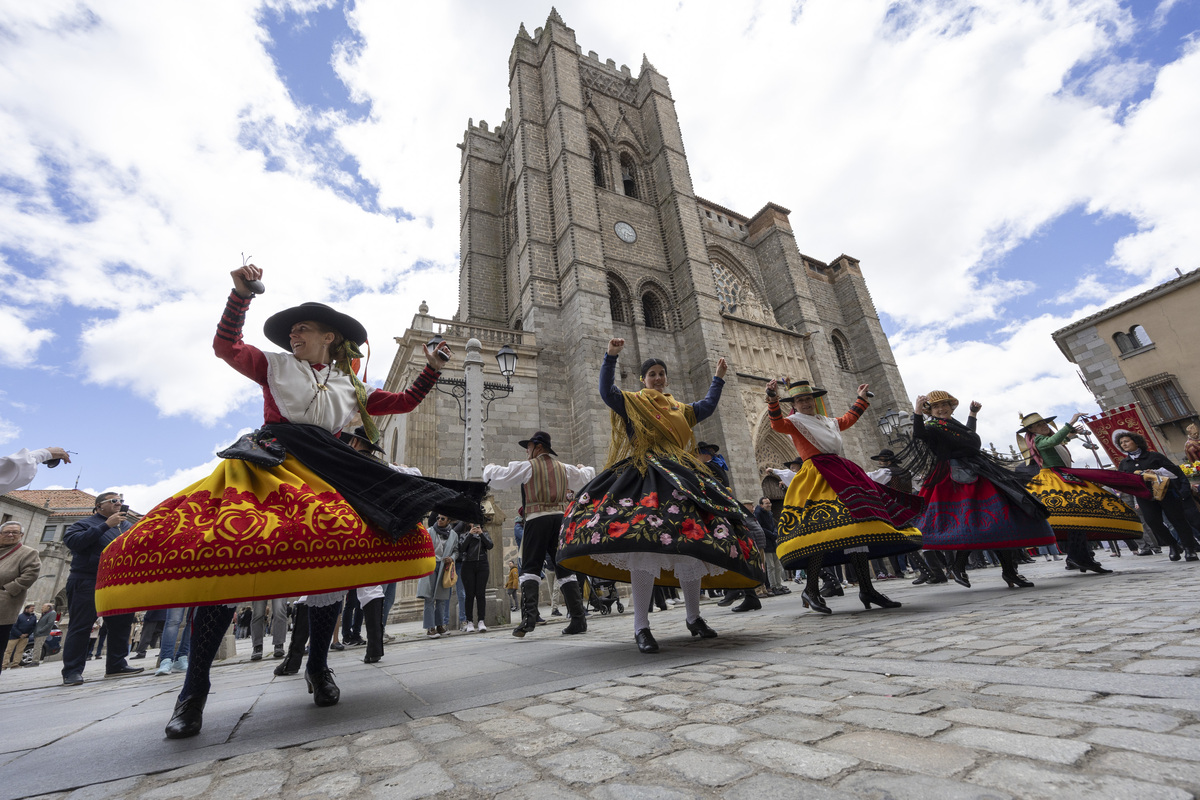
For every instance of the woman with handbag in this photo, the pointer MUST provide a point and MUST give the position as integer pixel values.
(292, 510)
(435, 588)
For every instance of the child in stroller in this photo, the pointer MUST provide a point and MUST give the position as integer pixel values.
(603, 596)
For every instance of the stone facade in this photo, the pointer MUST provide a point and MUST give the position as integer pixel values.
(586, 150)
(1143, 350)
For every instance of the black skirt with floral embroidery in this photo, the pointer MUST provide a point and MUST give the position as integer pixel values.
(670, 521)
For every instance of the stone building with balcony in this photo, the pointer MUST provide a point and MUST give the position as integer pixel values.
(1143, 350)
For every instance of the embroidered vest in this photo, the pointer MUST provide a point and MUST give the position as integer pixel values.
(546, 489)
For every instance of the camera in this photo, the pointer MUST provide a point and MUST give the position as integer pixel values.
(124, 508)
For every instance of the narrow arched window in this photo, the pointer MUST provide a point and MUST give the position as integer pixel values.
(840, 350)
(629, 175)
(616, 303)
(1139, 336)
(653, 311)
(1123, 342)
(598, 166)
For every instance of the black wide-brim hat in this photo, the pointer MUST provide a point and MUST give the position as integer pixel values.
(360, 433)
(278, 327)
(539, 437)
(796, 460)
(884, 455)
(703, 446)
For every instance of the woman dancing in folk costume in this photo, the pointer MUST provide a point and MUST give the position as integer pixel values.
(656, 514)
(974, 503)
(321, 519)
(1080, 510)
(832, 512)
(1171, 496)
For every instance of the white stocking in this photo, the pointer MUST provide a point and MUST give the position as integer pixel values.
(642, 583)
(691, 598)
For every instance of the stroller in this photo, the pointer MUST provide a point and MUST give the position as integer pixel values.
(603, 596)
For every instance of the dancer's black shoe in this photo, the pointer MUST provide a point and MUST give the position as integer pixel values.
(814, 602)
(700, 628)
(645, 641)
(324, 691)
(187, 719)
(869, 596)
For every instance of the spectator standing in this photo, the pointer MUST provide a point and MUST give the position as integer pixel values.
(430, 588)
(766, 521)
(473, 550)
(86, 539)
(173, 655)
(152, 625)
(44, 627)
(244, 618)
(510, 586)
(19, 568)
(258, 626)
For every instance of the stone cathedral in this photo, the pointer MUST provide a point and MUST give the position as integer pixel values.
(579, 223)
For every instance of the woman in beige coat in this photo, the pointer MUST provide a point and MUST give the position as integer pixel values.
(19, 568)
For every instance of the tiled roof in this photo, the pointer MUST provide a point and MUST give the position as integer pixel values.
(58, 499)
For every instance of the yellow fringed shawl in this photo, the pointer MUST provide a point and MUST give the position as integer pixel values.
(660, 424)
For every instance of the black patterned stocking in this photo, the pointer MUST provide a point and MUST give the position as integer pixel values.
(208, 629)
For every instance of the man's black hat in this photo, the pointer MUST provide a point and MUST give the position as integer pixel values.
(540, 437)
(706, 447)
(884, 455)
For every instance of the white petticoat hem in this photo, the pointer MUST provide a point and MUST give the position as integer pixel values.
(685, 567)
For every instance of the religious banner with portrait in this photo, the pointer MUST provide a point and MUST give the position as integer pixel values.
(1129, 418)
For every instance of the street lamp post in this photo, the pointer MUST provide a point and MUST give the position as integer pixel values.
(474, 397)
(896, 427)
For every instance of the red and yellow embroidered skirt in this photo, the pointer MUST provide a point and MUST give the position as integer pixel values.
(251, 533)
(1080, 505)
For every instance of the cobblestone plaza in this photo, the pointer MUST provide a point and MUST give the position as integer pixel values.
(1083, 686)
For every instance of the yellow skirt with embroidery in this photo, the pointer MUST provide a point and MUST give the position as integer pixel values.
(815, 522)
(1081, 505)
(251, 533)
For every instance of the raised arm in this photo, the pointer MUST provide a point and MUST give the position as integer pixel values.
(609, 392)
(228, 344)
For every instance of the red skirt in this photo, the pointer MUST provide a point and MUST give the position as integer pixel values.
(975, 516)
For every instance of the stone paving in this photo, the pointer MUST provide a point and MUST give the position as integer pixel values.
(1083, 686)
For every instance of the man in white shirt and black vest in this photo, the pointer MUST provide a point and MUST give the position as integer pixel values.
(544, 482)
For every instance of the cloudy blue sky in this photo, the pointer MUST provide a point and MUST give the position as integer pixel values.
(1000, 168)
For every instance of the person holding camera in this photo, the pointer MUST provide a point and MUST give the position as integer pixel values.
(473, 550)
(86, 539)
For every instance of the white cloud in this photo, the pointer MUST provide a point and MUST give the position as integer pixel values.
(21, 341)
(8, 431)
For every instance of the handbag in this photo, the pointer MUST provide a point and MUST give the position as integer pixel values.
(257, 447)
(449, 575)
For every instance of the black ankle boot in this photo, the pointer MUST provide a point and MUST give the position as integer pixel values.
(572, 594)
(321, 686)
(813, 600)
(187, 719)
(529, 608)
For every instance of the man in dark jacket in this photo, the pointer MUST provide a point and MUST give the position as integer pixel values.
(86, 540)
(766, 520)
